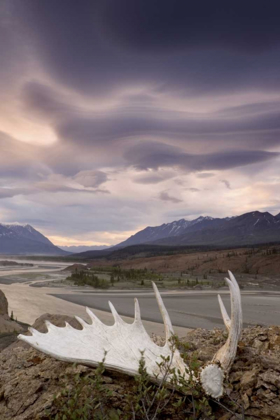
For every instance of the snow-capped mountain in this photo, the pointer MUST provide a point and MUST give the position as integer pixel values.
(24, 239)
(152, 234)
(249, 228)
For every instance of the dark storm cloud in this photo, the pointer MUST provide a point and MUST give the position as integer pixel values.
(10, 44)
(77, 125)
(195, 47)
(150, 155)
(161, 25)
(114, 126)
(66, 35)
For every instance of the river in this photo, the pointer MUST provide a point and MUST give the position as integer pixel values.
(187, 309)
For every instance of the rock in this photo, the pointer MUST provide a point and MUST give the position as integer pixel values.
(260, 344)
(6, 324)
(270, 379)
(9, 326)
(29, 380)
(236, 376)
(3, 304)
(226, 416)
(246, 401)
(58, 320)
(39, 324)
(248, 379)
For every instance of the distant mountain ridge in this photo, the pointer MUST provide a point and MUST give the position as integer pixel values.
(25, 240)
(83, 248)
(247, 229)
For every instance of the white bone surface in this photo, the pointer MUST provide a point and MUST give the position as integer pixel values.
(122, 342)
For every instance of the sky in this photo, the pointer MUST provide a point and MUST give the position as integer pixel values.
(117, 115)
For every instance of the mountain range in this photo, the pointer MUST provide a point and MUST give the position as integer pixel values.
(247, 229)
(25, 240)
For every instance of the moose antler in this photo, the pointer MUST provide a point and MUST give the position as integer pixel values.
(124, 344)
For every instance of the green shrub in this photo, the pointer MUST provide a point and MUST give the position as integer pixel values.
(83, 278)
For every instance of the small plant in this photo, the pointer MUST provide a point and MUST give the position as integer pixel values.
(84, 398)
(146, 400)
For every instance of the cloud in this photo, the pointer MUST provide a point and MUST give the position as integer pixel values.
(13, 192)
(103, 46)
(106, 127)
(92, 179)
(18, 159)
(104, 103)
(55, 188)
(83, 182)
(189, 26)
(79, 127)
(151, 155)
(205, 175)
(226, 183)
(154, 177)
(192, 189)
(45, 187)
(164, 196)
(43, 100)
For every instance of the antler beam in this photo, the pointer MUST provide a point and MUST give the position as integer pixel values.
(226, 354)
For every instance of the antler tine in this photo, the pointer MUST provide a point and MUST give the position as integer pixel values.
(137, 313)
(224, 313)
(52, 327)
(227, 353)
(33, 332)
(238, 296)
(83, 323)
(117, 318)
(165, 316)
(93, 317)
